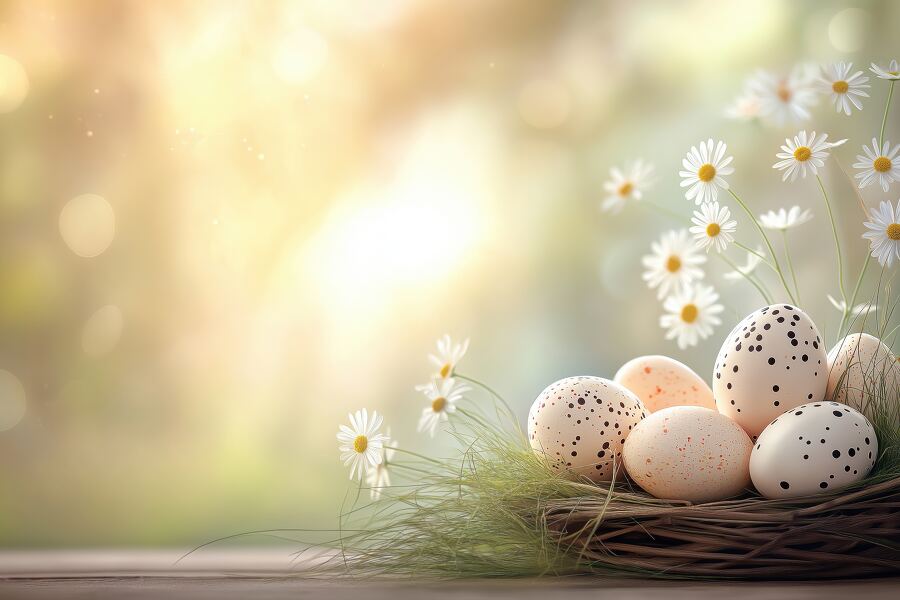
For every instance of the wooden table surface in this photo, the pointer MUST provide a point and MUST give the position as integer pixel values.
(269, 573)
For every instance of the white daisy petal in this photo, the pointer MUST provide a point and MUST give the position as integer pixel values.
(884, 236)
(626, 184)
(674, 263)
(879, 164)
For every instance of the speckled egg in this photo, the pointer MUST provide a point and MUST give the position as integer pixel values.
(772, 361)
(579, 425)
(689, 453)
(661, 382)
(857, 367)
(812, 449)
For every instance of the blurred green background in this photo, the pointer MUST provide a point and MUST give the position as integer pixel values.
(223, 225)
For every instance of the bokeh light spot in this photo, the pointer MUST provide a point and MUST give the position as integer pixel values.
(87, 224)
(544, 104)
(13, 84)
(12, 400)
(847, 29)
(102, 331)
(300, 56)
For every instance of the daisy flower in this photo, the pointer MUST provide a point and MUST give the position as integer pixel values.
(712, 227)
(379, 477)
(674, 263)
(892, 72)
(443, 395)
(753, 261)
(691, 315)
(884, 233)
(361, 444)
(785, 219)
(845, 89)
(785, 99)
(859, 309)
(626, 184)
(448, 356)
(802, 153)
(881, 164)
(745, 107)
(703, 172)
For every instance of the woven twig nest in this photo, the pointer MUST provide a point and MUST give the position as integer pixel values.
(851, 534)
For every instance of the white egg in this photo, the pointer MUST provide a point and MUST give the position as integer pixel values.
(689, 453)
(661, 382)
(579, 425)
(772, 361)
(811, 449)
(860, 368)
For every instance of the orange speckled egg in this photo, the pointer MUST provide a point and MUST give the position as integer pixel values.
(689, 453)
(661, 382)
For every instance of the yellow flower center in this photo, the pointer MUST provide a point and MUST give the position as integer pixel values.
(438, 404)
(802, 153)
(783, 91)
(893, 231)
(882, 164)
(673, 264)
(840, 87)
(706, 172)
(360, 443)
(713, 229)
(689, 313)
(626, 188)
(445, 370)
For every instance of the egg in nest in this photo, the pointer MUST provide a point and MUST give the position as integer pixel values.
(772, 361)
(579, 425)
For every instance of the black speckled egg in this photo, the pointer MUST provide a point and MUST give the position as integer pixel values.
(579, 425)
(811, 449)
(772, 361)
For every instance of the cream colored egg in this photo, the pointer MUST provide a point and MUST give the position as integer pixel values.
(812, 449)
(860, 369)
(661, 382)
(579, 425)
(689, 453)
(772, 361)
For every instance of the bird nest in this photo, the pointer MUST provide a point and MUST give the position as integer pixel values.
(839, 535)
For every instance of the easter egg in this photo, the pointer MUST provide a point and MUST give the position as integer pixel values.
(861, 369)
(811, 449)
(661, 382)
(772, 361)
(579, 424)
(689, 453)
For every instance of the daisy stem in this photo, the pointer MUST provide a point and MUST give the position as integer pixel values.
(768, 244)
(417, 455)
(887, 106)
(787, 254)
(731, 264)
(837, 243)
(849, 307)
(758, 254)
(667, 211)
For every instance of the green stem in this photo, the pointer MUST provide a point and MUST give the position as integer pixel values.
(887, 105)
(768, 243)
(837, 244)
(668, 212)
(761, 256)
(862, 273)
(787, 254)
(747, 277)
(417, 455)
